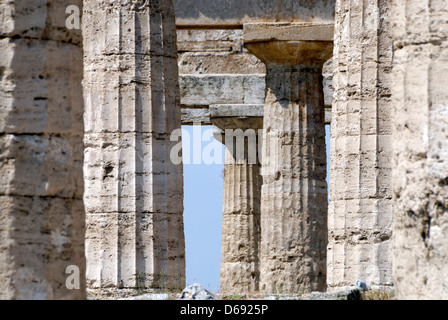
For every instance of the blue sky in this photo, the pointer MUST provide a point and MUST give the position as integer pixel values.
(203, 190)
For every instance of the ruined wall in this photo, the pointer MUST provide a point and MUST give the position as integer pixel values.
(420, 176)
(41, 151)
(360, 210)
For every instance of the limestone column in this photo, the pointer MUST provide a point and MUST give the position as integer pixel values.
(294, 193)
(420, 162)
(240, 271)
(41, 153)
(360, 210)
(135, 234)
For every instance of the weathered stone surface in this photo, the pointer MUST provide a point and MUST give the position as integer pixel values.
(39, 238)
(133, 190)
(41, 210)
(361, 284)
(347, 294)
(420, 163)
(242, 111)
(210, 40)
(44, 19)
(255, 32)
(294, 193)
(240, 272)
(241, 227)
(196, 292)
(235, 12)
(33, 95)
(196, 115)
(327, 73)
(360, 210)
(215, 68)
(206, 89)
(191, 116)
(234, 116)
(284, 53)
(41, 165)
(219, 63)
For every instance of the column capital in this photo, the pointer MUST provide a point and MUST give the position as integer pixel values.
(237, 116)
(290, 44)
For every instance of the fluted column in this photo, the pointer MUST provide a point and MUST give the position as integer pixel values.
(240, 271)
(360, 210)
(41, 153)
(420, 163)
(135, 236)
(294, 193)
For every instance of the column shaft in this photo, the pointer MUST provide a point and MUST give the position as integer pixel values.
(135, 236)
(41, 152)
(420, 165)
(360, 211)
(294, 194)
(241, 220)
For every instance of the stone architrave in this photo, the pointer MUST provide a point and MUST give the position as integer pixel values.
(134, 192)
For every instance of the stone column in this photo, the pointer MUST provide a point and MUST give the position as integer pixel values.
(360, 211)
(420, 164)
(41, 153)
(294, 194)
(135, 236)
(240, 271)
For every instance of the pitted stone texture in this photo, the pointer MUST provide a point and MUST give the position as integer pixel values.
(215, 68)
(360, 210)
(220, 63)
(302, 31)
(247, 118)
(33, 95)
(196, 292)
(240, 271)
(236, 12)
(39, 238)
(44, 19)
(210, 40)
(238, 127)
(205, 89)
(133, 190)
(420, 164)
(41, 186)
(294, 193)
(41, 165)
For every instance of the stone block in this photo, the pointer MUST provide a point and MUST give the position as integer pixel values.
(35, 95)
(41, 166)
(44, 235)
(219, 63)
(235, 13)
(205, 90)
